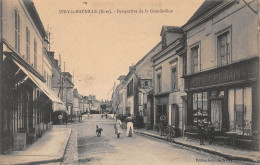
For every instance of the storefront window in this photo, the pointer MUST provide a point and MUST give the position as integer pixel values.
(240, 110)
(200, 102)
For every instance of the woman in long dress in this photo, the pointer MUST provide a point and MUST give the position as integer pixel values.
(117, 127)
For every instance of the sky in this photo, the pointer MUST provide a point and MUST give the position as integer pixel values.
(99, 47)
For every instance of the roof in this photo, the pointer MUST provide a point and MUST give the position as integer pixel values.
(149, 53)
(175, 29)
(206, 6)
(67, 74)
(121, 77)
(35, 17)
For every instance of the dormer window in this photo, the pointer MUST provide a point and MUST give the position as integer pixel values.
(164, 43)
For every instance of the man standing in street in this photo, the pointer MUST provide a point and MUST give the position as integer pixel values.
(129, 125)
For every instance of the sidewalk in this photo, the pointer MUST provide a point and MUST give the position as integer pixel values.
(49, 148)
(223, 151)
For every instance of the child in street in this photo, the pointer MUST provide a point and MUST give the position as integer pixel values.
(117, 127)
(211, 132)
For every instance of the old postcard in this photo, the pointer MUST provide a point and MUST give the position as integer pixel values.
(149, 82)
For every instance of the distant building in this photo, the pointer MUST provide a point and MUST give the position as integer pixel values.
(122, 96)
(76, 103)
(61, 84)
(117, 97)
(138, 86)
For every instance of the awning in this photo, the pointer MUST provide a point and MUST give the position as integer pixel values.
(43, 87)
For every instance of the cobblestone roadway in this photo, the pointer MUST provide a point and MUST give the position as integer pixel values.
(109, 150)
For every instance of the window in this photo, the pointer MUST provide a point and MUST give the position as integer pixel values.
(240, 110)
(130, 88)
(17, 31)
(27, 44)
(44, 74)
(35, 54)
(164, 44)
(184, 65)
(195, 59)
(141, 96)
(200, 107)
(50, 81)
(223, 49)
(159, 83)
(47, 79)
(146, 83)
(174, 78)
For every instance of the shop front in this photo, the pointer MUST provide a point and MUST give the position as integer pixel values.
(228, 98)
(27, 105)
(161, 107)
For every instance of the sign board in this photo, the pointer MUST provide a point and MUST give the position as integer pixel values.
(19, 142)
(237, 72)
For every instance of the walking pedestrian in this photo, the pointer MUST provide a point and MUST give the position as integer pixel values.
(201, 132)
(117, 127)
(129, 125)
(106, 115)
(65, 119)
(60, 117)
(211, 132)
(162, 124)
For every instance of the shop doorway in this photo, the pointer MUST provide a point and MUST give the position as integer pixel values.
(216, 114)
(161, 110)
(175, 115)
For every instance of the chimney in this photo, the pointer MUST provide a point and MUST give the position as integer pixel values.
(56, 64)
(131, 68)
(51, 55)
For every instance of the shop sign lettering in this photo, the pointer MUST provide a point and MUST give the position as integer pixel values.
(218, 77)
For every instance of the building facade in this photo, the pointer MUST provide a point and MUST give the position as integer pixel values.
(138, 85)
(61, 84)
(27, 102)
(169, 94)
(222, 80)
(119, 97)
(76, 106)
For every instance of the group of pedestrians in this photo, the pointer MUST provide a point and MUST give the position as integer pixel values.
(202, 132)
(130, 127)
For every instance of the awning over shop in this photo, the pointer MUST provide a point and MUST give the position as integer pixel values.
(57, 103)
(59, 107)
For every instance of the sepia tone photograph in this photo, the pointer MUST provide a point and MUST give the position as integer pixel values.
(129, 82)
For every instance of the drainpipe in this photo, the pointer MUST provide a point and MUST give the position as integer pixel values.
(1, 101)
(258, 51)
(1, 84)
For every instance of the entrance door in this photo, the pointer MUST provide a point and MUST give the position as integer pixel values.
(161, 110)
(175, 115)
(216, 114)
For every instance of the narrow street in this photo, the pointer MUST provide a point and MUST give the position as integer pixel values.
(107, 149)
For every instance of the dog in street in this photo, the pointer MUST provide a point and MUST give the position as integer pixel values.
(98, 131)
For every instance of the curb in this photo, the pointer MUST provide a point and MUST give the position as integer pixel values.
(61, 159)
(214, 152)
(47, 161)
